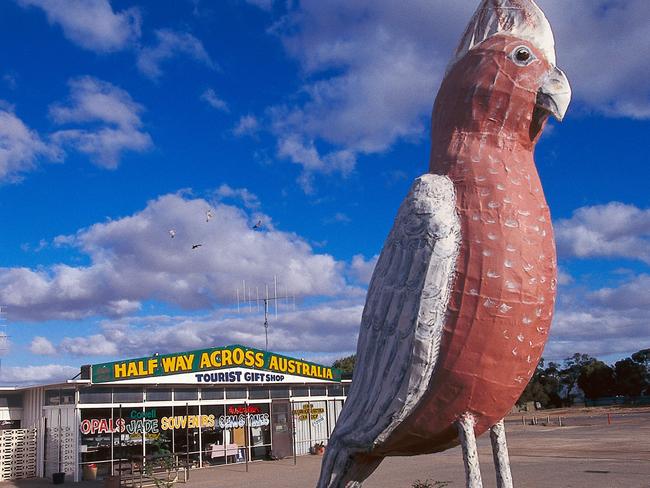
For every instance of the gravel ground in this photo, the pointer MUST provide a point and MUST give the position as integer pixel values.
(585, 453)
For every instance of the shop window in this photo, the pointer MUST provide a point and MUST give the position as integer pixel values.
(185, 426)
(280, 392)
(97, 428)
(67, 397)
(184, 395)
(212, 394)
(95, 395)
(11, 400)
(127, 395)
(158, 432)
(258, 393)
(300, 391)
(233, 424)
(335, 390)
(318, 390)
(52, 397)
(127, 440)
(159, 395)
(234, 393)
(215, 449)
(259, 420)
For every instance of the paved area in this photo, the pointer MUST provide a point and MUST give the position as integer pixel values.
(585, 453)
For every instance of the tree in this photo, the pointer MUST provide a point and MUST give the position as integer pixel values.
(642, 357)
(630, 377)
(597, 380)
(346, 365)
(569, 375)
(534, 391)
(543, 387)
(550, 380)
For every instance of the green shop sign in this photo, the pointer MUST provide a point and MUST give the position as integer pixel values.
(207, 360)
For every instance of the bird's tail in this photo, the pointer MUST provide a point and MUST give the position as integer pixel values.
(343, 468)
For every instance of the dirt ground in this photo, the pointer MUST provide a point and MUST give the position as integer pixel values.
(586, 452)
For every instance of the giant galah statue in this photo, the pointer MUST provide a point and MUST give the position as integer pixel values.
(461, 300)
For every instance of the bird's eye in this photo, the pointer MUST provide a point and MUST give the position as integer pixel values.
(522, 56)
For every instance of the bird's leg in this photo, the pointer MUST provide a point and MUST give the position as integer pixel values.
(500, 454)
(465, 427)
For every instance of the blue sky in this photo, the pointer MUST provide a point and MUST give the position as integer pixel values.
(122, 120)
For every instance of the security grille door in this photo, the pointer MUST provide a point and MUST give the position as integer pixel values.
(17, 454)
(281, 432)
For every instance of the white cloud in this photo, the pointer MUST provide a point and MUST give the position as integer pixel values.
(113, 116)
(42, 346)
(611, 320)
(91, 24)
(603, 46)
(250, 200)
(25, 375)
(563, 277)
(305, 154)
(386, 59)
(614, 230)
(169, 44)
(597, 332)
(262, 4)
(94, 345)
(338, 218)
(361, 270)
(329, 328)
(11, 80)
(20, 147)
(133, 259)
(246, 125)
(210, 97)
(633, 294)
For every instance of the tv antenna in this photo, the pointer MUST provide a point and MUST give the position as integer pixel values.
(245, 296)
(4, 337)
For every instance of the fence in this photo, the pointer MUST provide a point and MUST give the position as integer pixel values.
(618, 400)
(17, 454)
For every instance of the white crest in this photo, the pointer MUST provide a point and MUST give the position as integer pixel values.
(518, 18)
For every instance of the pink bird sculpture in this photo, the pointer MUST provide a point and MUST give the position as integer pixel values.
(461, 300)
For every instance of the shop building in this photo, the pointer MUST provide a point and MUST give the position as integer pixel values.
(208, 407)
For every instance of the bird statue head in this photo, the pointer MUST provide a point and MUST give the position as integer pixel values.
(503, 79)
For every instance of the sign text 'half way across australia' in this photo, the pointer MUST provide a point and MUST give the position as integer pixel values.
(206, 360)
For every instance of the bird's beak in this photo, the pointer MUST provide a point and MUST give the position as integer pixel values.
(554, 95)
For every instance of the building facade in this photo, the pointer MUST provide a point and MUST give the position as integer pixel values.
(208, 407)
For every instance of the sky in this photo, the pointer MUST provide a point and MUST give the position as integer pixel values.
(123, 120)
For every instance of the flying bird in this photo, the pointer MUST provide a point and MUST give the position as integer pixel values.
(196, 246)
(172, 233)
(460, 303)
(208, 215)
(258, 225)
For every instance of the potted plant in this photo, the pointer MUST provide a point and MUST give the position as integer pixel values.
(319, 448)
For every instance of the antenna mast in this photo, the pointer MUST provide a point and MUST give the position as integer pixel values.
(265, 300)
(4, 337)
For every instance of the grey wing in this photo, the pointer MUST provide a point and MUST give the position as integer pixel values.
(404, 315)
